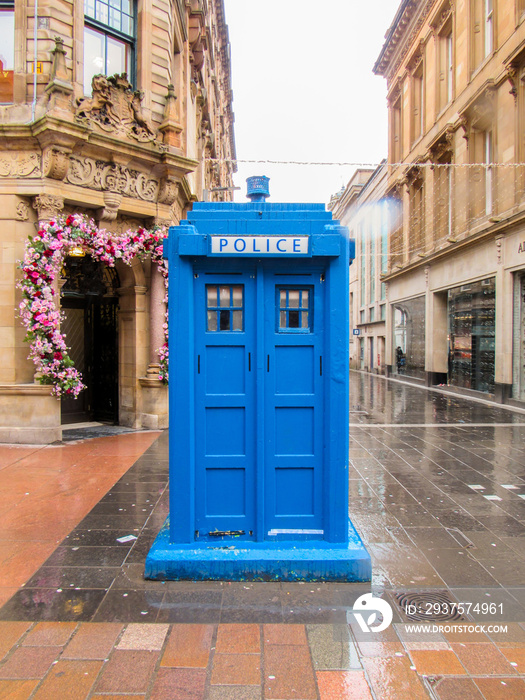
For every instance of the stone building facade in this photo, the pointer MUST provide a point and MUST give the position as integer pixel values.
(120, 111)
(455, 72)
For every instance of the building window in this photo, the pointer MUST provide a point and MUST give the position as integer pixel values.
(7, 52)
(363, 267)
(417, 216)
(362, 317)
(109, 39)
(488, 17)
(443, 193)
(396, 131)
(418, 101)
(372, 267)
(446, 66)
(384, 237)
(372, 314)
(382, 312)
(483, 30)
(488, 160)
(481, 144)
(395, 224)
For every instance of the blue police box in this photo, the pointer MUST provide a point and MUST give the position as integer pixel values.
(258, 456)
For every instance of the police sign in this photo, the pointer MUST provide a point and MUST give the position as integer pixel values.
(259, 245)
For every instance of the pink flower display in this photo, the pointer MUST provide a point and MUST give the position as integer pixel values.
(44, 255)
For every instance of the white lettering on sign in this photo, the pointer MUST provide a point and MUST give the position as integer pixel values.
(259, 245)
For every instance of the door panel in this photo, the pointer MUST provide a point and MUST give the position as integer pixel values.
(225, 404)
(294, 402)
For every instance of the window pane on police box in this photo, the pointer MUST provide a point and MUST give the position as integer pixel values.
(304, 299)
(293, 298)
(237, 295)
(212, 296)
(282, 299)
(224, 320)
(212, 320)
(225, 296)
(293, 319)
(237, 320)
(304, 321)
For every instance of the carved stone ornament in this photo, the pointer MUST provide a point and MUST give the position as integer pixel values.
(22, 211)
(112, 202)
(443, 146)
(168, 191)
(499, 252)
(511, 75)
(20, 165)
(116, 109)
(99, 175)
(47, 206)
(55, 163)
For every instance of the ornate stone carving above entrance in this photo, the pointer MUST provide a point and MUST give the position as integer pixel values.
(116, 109)
(98, 175)
(20, 165)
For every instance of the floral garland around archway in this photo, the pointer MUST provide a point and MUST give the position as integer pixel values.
(43, 259)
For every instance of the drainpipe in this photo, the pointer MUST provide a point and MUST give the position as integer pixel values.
(35, 56)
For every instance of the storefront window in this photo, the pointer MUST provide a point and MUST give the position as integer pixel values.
(471, 318)
(409, 337)
(518, 383)
(7, 53)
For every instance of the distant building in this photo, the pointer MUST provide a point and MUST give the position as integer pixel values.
(455, 278)
(121, 111)
(363, 208)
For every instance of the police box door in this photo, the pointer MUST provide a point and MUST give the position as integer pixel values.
(294, 415)
(225, 418)
(258, 403)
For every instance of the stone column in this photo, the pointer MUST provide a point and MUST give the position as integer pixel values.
(154, 393)
(157, 309)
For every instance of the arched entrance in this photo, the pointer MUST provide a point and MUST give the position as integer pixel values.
(89, 300)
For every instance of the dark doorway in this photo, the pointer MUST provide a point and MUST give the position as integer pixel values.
(90, 304)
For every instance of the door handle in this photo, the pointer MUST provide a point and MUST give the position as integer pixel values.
(321, 365)
(198, 364)
(267, 363)
(249, 362)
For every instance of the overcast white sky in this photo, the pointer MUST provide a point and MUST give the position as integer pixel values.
(304, 91)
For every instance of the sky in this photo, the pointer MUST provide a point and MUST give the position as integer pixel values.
(303, 90)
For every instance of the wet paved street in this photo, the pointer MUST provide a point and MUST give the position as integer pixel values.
(437, 492)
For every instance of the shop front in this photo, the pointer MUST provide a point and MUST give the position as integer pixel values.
(472, 334)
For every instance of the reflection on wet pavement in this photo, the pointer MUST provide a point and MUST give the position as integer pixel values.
(375, 399)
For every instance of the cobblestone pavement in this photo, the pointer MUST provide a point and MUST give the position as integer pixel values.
(437, 491)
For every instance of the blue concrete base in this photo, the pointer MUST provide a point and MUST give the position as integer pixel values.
(258, 561)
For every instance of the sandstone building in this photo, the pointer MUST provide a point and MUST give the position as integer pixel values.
(455, 189)
(119, 110)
